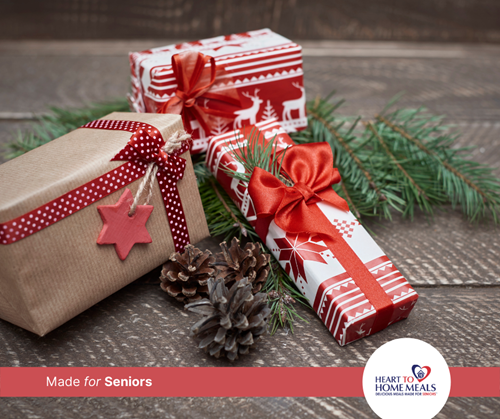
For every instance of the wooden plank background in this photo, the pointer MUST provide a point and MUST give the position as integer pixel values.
(403, 20)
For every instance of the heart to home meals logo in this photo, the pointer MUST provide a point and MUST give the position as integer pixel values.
(395, 386)
(420, 373)
(406, 385)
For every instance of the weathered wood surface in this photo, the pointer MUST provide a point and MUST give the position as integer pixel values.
(141, 326)
(228, 408)
(447, 251)
(454, 266)
(406, 20)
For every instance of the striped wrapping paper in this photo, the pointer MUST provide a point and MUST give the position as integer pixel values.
(266, 70)
(337, 300)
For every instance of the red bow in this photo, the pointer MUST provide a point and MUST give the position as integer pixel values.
(194, 82)
(310, 167)
(313, 177)
(145, 145)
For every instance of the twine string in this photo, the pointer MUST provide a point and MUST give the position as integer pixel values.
(172, 144)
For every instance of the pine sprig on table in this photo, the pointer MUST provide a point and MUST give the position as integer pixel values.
(403, 160)
(223, 216)
(282, 295)
(59, 122)
(411, 179)
(466, 183)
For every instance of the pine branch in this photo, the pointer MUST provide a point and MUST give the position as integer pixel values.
(351, 152)
(411, 180)
(237, 222)
(414, 178)
(370, 195)
(395, 161)
(414, 183)
(282, 295)
(60, 122)
(253, 154)
(466, 183)
(352, 207)
(223, 216)
(431, 153)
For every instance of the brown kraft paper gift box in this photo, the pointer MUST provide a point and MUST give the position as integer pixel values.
(58, 272)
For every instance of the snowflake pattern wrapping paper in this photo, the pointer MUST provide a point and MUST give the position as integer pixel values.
(52, 266)
(264, 68)
(319, 276)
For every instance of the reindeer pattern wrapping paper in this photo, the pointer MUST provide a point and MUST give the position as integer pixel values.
(317, 273)
(264, 67)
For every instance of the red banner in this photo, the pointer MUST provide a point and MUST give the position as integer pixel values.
(192, 382)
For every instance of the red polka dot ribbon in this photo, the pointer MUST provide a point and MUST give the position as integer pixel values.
(144, 147)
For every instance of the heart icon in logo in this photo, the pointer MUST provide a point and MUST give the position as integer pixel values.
(420, 373)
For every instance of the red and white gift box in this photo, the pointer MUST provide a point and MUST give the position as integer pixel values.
(263, 67)
(319, 276)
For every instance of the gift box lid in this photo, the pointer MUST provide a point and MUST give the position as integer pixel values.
(250, 58)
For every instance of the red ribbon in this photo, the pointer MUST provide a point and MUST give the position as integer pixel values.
(310, 167)
(144, 147)
(194, 82)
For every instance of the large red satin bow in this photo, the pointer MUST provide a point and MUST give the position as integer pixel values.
(310, 167)
(194, 82)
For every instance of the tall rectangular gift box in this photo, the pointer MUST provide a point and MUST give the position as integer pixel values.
(320, 277)
(51, 265)
(259, 77)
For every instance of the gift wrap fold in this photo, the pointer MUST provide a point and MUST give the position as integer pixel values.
(347, 278)
(51, 266)
(223, 83)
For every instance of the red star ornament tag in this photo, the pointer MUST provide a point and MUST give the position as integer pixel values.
(121, 229)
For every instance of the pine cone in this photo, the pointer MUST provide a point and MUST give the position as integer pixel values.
(233, 319)
(235, 263)
(185, 275)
